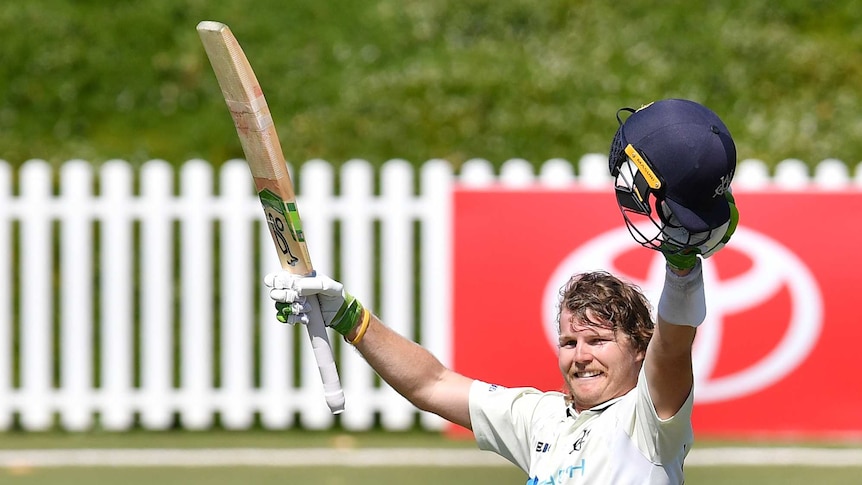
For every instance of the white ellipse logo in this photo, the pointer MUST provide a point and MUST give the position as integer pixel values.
(774, 268)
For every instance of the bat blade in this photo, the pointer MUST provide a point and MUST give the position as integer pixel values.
(256, 130)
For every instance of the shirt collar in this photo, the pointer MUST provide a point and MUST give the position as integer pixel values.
(570, 409)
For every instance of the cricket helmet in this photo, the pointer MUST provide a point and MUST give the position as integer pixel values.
(673, 161)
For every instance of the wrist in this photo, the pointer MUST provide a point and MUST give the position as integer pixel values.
(348, 316)
(679, 271)
(681, 263)
(358, 332)
(683, 301)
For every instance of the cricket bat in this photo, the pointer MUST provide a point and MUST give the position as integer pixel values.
(256, 130)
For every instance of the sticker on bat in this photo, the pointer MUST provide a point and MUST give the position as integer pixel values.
(284, 222)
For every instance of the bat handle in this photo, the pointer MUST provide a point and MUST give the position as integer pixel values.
(322, 348)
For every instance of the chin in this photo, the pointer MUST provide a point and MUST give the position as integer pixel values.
(586, 399)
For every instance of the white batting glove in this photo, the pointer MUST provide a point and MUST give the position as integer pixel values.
(340, 310)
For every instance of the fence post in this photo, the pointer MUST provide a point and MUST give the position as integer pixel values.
(157, 295)
(6, 350)
(557, 173)
(237, 286)
(37, 308)
(76, 292)
(117, 319)
(196, 297)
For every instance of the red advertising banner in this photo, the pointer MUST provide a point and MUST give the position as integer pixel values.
(779, 353)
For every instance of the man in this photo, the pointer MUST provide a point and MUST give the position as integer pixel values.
(626, 415)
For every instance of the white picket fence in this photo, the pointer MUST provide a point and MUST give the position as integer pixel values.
(130, 299)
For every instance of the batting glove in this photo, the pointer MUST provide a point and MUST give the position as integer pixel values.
(685, 258)
(340, 310)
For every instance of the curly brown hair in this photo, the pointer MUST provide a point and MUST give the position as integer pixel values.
(616, 304)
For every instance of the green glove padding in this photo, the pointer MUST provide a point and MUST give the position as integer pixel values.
(342, 320)
(680, 260)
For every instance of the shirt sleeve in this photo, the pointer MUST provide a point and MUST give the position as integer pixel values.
(502, 419)
(661, 439)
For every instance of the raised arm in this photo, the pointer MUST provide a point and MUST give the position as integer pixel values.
(673, 161)
(406, 366)
(668, 364)
(681, 309)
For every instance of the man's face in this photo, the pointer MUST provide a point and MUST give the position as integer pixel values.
(598, 364)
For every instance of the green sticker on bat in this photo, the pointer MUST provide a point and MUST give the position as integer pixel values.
(295, 221)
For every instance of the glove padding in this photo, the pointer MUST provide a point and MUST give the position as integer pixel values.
(340, 310)
(685, 258)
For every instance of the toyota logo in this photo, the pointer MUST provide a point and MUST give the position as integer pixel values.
(774, 269)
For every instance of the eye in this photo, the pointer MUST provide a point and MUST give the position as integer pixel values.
(568, 344)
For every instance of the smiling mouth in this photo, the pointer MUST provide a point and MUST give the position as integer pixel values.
(586, 374)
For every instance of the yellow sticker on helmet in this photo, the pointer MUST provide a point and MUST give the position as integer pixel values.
(645, 106)
(644, 168)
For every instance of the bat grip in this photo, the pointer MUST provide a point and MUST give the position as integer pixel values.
(322, 348)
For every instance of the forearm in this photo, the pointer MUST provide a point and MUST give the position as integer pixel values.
(414, 372)
(673, 340)
(668, 367)
(668, 363)
(402, 363)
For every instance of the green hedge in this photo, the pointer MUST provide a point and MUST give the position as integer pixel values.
(420, 79)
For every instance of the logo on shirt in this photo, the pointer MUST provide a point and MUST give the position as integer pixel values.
(561, 475)
(542, 447)
(579, 443)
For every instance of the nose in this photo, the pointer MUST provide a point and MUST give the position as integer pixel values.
(583, 354)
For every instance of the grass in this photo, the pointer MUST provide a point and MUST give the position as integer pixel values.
(775, 475)
(413, 79)
(220, 476)
(227, 439)
(337, 442)
(418, 476)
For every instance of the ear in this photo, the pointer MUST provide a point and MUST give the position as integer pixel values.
(640, 355)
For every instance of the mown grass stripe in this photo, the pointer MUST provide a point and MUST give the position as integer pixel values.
(380, 457)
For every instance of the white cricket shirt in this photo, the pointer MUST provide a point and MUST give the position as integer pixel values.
(622, 441)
